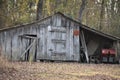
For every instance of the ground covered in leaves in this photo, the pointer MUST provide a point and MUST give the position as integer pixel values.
(59, 71)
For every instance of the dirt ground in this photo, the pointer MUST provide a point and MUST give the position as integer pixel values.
(59, 71)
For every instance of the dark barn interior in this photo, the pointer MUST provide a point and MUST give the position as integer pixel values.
(96, 42)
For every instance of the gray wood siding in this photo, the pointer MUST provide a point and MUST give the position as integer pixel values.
(12, 45)
(72, 45)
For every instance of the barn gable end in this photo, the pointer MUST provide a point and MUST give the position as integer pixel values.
(55, 40)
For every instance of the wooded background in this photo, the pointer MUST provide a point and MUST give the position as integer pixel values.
(103, 15)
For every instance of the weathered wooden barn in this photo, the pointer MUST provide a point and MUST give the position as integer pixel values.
(56, 37)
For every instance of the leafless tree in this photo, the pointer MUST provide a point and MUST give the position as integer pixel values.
(39, 9)
(82, 7)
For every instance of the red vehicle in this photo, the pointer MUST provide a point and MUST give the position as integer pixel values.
(108, 55)
(108, 51)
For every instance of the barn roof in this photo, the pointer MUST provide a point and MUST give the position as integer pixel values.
(91, 29)
(76, 21)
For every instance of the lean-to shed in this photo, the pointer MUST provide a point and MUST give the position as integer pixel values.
(56, 37)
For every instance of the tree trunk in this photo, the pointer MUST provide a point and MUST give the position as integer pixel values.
(101, 15)
(82, 7)
(118, 7)
(39, 9)
(3, 7)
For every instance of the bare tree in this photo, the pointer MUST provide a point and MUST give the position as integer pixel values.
(39, 9)
(118, 7)
(101, 15)
(82, 7)
(3, 7)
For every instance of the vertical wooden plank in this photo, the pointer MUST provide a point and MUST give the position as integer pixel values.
(76, 43)
(78, 46)
(8, 45)
(68, 40)
(44, 39)
(41, 42)
(49, 46)
(71, 54)
(39, 47)
(0, 44)
(54, 20)
(4, 44)
(84, 46)
(40, 34)
(14, 44)
(58, 23)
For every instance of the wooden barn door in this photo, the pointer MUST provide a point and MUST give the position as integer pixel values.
(56, 43)
(28, 47)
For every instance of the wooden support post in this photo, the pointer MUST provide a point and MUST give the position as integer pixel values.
(84, 46)
(118, 51)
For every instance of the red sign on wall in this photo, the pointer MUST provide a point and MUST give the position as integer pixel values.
(76, 32)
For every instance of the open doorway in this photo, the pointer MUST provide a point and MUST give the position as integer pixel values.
(28, 47)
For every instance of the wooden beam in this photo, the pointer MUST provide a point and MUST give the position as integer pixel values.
(84, 46)
(29, 37)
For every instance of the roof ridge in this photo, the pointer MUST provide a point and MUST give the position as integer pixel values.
(64, 15)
